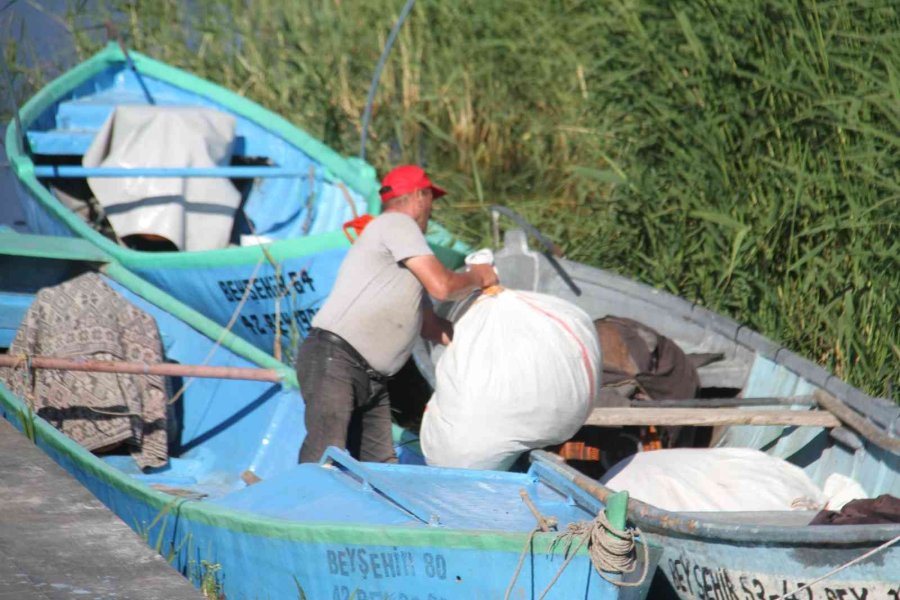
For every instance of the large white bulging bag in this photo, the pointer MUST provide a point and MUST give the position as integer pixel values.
(714, 479)
(521, 373)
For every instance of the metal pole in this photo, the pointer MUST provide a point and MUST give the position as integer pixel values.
(367, 113)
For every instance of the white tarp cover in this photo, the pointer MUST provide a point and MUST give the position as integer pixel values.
(194, 213)
(521, 373)
(715, 479)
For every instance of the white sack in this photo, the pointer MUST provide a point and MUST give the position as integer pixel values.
(521, 373)
(194, 213)
(714, 479)
(840, 489)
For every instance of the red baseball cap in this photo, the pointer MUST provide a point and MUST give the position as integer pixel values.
(406, 179)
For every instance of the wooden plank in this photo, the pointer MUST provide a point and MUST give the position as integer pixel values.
(725, 402)
(857, 422)
(708, 417)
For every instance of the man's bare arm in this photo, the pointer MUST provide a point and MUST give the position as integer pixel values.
(444, 284)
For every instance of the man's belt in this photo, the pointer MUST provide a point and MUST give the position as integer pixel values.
(335, 339)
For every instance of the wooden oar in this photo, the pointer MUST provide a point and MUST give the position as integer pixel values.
(164, 369)
(708, 417)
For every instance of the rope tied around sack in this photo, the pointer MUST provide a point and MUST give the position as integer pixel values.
(611, 550)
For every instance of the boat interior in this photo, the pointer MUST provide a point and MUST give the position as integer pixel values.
(270, 171)
(740, 368)
(234, 442)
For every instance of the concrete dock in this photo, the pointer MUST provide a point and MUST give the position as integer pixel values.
(58, 541)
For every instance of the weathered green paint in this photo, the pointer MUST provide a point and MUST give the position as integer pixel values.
(41, 246)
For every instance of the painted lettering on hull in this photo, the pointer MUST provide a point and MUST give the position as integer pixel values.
(379, 564)
(268, 323)
(695, 581)
(381, 574)
(286, 288)
(343, 592)
(267, 287)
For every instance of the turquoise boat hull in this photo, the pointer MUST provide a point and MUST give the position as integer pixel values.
(266, 294)
(339, 529)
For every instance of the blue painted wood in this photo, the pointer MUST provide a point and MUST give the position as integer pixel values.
(13, 307)
(372, 481)
(71, 172)
(39, 246)
(75, 142)
(334, 529)
(60, 142)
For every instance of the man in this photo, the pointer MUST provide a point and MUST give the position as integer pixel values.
(366, 329)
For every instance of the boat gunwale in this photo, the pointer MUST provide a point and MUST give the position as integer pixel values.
(336, 166)
(653, 520)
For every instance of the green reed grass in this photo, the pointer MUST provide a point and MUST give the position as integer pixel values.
(744, 155)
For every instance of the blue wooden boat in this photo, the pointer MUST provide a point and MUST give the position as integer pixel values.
(339, 529)
(294, 190)
(749, 555)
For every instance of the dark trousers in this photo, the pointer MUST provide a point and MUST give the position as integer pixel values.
(346, 405)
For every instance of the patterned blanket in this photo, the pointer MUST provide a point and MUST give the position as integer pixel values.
(85, 318)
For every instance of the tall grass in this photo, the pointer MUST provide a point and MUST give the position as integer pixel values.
(20, 76)
(742, 154)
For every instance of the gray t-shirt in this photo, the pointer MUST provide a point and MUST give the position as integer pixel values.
(376, 303)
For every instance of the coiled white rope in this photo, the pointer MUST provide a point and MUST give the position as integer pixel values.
(611, 550)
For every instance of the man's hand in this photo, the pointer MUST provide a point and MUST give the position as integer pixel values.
(436, 329)
(486, 274)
